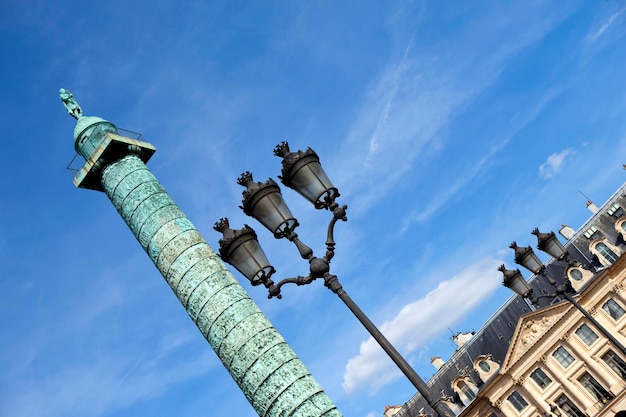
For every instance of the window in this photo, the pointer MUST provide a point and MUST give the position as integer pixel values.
(575, 274)
(594, 388)
(466, 390)
(517, 401)
(613, 309)
(563, 357)
(540, 378)
(556, 299)
(606, 252)
(620, 226)
(615, 210)
(587, 335)
(570, 409)
(615, 363)
(590, 232)
(485, 367)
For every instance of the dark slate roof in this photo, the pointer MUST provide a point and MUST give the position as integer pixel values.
(495, 335)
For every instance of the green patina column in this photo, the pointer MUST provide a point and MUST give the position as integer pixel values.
(266, 369)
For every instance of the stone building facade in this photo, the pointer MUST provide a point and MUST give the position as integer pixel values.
(549, 360)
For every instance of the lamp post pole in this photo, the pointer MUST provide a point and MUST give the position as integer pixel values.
(263, 201)
(525, 256)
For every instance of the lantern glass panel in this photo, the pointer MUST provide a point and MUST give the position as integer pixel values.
(272, 211)
(517, 283)
(554, 248)
(532, 262)
(312, 183)
(249, 259)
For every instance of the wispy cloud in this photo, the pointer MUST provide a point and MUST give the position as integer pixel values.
(476, 167)
(554, 163)
(107, 383)
(392, 86)
(426, 317)
(400, 122)
(597, 33)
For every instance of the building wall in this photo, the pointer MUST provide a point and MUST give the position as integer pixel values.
(541, 335)
(517, 341)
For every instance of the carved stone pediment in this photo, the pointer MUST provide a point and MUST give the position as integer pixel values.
(530, 329)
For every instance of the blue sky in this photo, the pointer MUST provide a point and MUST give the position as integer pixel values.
(450, 129)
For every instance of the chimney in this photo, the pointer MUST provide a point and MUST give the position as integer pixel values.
(592, 207)
(462, 338)
(437, 362)
(566, 231)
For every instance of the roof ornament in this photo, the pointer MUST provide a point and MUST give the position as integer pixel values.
(70, 103)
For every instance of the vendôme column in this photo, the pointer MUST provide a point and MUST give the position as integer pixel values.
(266, 369)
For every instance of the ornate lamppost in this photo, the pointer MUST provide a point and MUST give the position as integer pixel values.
(302, 172)
(526, 257)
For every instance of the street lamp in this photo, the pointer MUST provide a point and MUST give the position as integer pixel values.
(550, 244)
(525, 256)
(302, 172)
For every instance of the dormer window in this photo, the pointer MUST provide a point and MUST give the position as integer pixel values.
(607, 254)
(591, 232)
(578, 276)
(467, 391)
(465, 388)
(620, 227)
(615, 210)
(485, 367)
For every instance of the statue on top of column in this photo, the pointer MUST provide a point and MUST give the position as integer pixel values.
(70, 103)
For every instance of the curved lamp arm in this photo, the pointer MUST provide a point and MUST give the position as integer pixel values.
(339, 213)
(274, 289)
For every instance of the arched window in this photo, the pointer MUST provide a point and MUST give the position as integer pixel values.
(466, 390)
(620, 227)
(463, 386)
(484, 365)
(606, 252)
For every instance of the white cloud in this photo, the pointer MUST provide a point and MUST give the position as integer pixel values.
(554, 163)
(421, 321)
